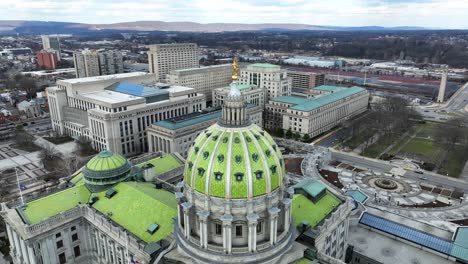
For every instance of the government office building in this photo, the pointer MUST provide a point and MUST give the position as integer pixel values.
(271, 78)
(313, 116)
(164, 58)
(204, 79)
(113, 111)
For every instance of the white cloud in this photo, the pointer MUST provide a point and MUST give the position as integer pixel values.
(428, 13)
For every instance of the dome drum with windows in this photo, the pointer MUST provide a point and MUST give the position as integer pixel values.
(107, 168)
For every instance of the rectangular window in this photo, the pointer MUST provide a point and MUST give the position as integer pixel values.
(73, 228)
(259, 227)
(62, 258)
(218, 229)
(58, 235)
(77, 251)
(239, 230)
(75, 237)
(59, 243)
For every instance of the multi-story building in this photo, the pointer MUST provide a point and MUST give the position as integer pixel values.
(113, 111)
(47, 59)
(177, 134)
(251, 93)
(302, 82)
(204, 79)
(51, 42)
(269, 77)
(104, 217)
(164, 58)
(89, 63)
(313, 116)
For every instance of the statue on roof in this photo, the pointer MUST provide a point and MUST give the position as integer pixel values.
(235, 69)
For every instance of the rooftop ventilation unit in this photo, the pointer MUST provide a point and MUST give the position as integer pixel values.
(93, 200)
(152, 228)
(110, 193)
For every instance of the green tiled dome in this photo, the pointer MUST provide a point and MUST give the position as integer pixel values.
(234, 162)
(106, 168)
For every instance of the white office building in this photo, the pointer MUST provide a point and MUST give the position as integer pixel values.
(164, 58)
(252, 94)
(89, 63)
(204, 79)
(269, 77)
(113, 111)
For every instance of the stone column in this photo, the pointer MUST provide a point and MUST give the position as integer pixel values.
(15, 240)
(287, 213)
(24, 250)
(252, 222)
(273, 212)
(227, 233)
(98, 243)
(10, 237)
(186, 207)
(203, 217)
(32, 256)
(179, 197)
(106, 249)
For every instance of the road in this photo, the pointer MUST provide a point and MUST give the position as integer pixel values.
(458, 102)
(384, 166)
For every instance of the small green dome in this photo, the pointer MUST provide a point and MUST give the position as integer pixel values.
(106, 168)
(234, 162)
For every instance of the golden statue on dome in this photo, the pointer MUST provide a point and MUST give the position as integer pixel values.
(235, 69)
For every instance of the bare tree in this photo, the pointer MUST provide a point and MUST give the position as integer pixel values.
(450, 137)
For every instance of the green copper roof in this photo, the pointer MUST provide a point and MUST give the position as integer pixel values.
(295, 100)
(329, 88)
(264, 65)
(238, 162)
(241, 86)
(46, 207)
(323, 100)
(106, 168)
(304, 209)
(163, 164)
(105, 161)
(135, 206)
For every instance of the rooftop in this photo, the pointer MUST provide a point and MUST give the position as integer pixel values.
(310, 186)
(323, 100)
(193, 118)
(295, 100)
(357, 195)
(110, 97)
(304, 210)
(263, 65)
(329, 88)
(132, 201)
(104, 77)
(151, 94)
(163, 164)
(242, 86)
(389, 250)
(203, 68)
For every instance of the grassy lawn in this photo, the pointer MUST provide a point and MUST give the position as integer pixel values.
(382, 143)
(455, 161)
(357, 140)
(305, 210)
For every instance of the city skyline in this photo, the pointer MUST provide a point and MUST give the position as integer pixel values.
(388, 13)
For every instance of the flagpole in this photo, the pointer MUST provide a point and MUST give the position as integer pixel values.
(19, 187)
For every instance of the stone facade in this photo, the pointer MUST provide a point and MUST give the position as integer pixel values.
(251, 93)
(204, 80)
(114, 121)
(271, 78)
(80, 235)
(164, 58)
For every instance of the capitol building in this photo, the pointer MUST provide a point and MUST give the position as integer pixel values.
(235, 204)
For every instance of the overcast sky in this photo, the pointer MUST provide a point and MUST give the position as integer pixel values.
(425, 13)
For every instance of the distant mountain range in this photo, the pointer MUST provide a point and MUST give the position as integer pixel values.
(45, 27)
